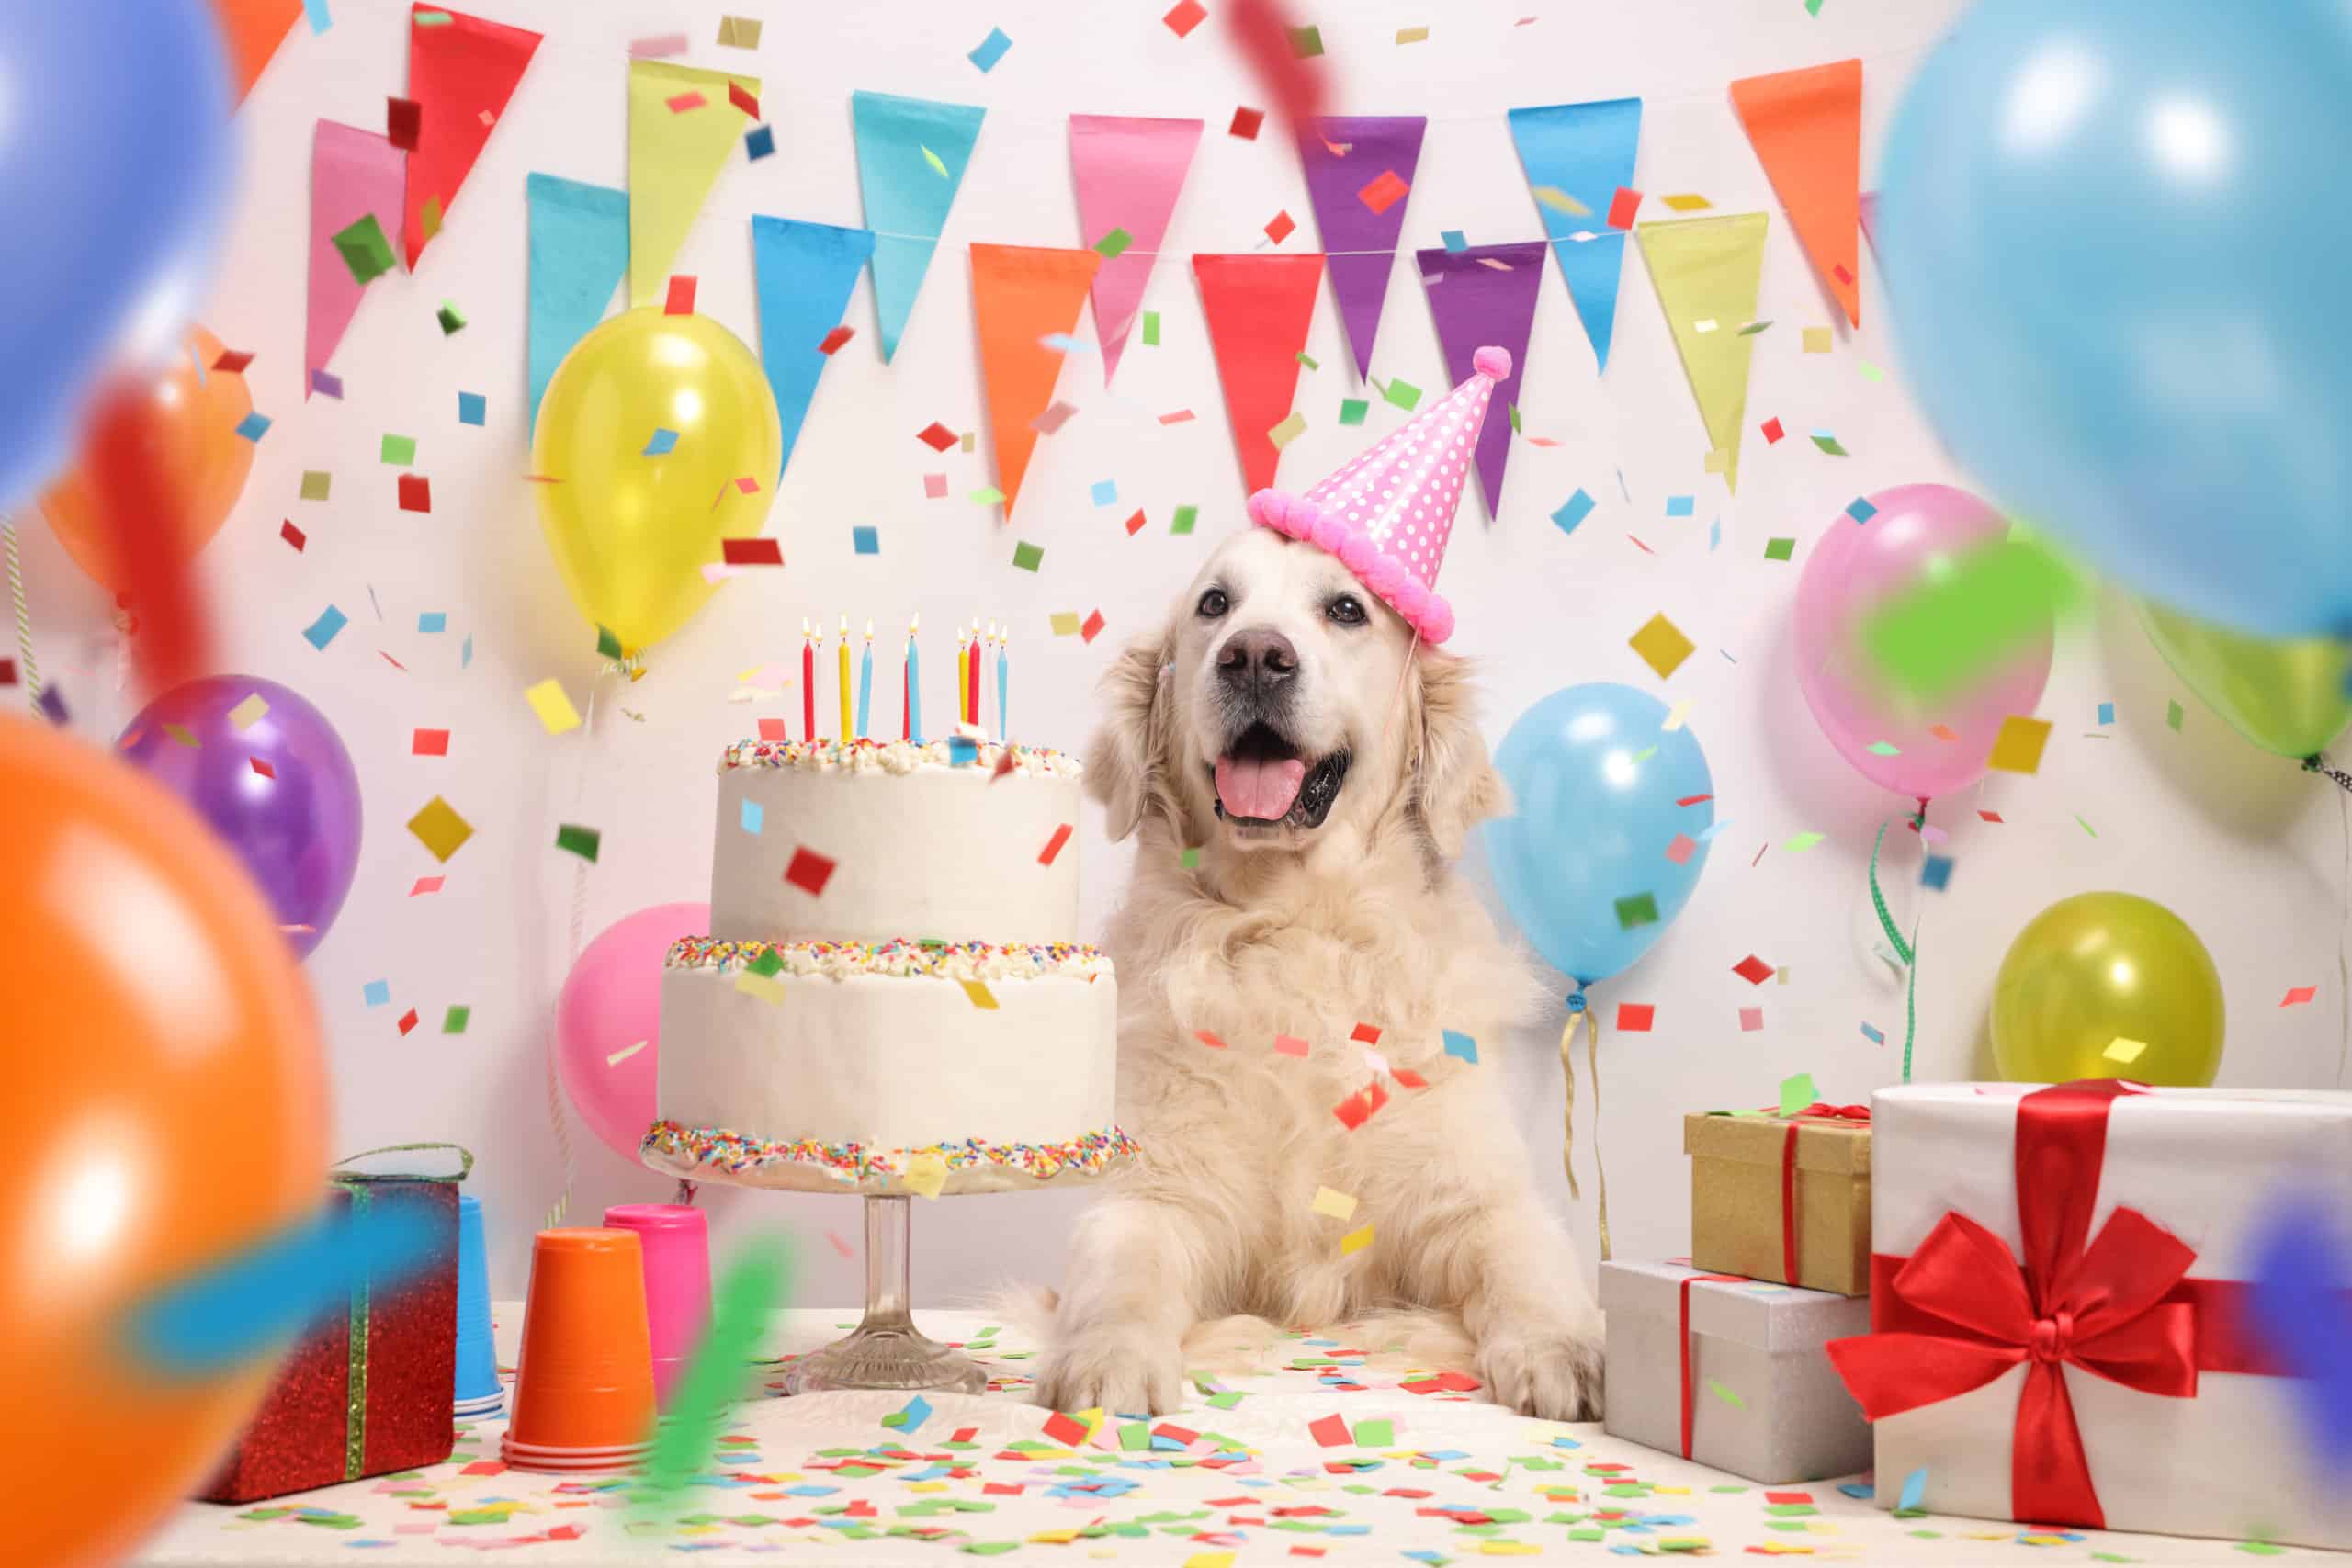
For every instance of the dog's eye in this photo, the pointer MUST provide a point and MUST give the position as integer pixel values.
(1213, 605)
(1347, 610)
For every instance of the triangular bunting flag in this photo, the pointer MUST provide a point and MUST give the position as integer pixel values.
(1706, 271)
(579, 255)
(1128, 173)
(911, 153)
(1258, 309)
(1359, 178)
(252, 30)
(1022, 295)
(355, 174)
(461, 70)
(1806, 127)
(1577, 157)
(1486, 295)
(805, 272)
(682, 124)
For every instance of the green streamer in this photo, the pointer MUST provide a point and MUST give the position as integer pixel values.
(745, 1292)
(1908, 952)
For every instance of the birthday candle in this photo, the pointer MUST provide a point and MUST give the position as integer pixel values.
(847, 735)
(963, 673)
(1004, 688)
(866, 683)
(972, 679)
(808, 685)
(911, 709)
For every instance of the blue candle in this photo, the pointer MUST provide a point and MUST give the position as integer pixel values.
(914, 684)
(1003, 687)
(865, 681)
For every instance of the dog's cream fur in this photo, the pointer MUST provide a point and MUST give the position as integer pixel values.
(1305, 932)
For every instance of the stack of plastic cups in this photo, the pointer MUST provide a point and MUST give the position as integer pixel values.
(479, 1392)
(583, 1390)
(676, 1240)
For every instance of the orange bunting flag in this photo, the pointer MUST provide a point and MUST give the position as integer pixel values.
(252, 30)
(461, 70)
(1806, 127)
(1021, 295)
(1259, 307)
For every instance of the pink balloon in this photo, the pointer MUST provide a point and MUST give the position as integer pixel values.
(611, 1000)
(1917, 530)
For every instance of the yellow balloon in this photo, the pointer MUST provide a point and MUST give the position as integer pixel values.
(2108, 986)
(632, 529)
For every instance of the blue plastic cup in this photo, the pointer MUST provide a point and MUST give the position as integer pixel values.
(478, 1391)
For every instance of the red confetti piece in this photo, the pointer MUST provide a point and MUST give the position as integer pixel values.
(937, 436)
(1331, 1431)
(1788, 1496)
(1352, 1111)
(808, 872)
(1289, 1045)
(1753, 970)
(772, 729)
(1054, 845)
(1367, 1032)
(834, 339)
(746, 485)
(2298, 996)
(1181, 416)
(429, 743)
(682, 102)
(1134, 523)
(1634, 1018)
(1245, 122)
(1772, 431)
(1211, 1041)
(232, 361)
(1408, 1078)
(1694, 800)
(1945, 732)
(416, 493)
(260, 766)
(681, 299)
(1383, 193)
(1091, 628)
(291, 535)
(426, 884)
(1990, 816)
(1841, 274)
(402, 117)
(1622, 208)
(1004, 766)
(1751, 1020)
(839, 1245)
(751, 552)
(1680, 848)
(742, 100)
(1184, 15)
(408, 1021)
(390, 660)
(1064, 1430)
(1279, 227)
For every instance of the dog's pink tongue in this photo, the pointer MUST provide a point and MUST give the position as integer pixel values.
(1257, 788)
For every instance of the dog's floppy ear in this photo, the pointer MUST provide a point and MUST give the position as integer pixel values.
(1125, 761)
(1455, 786)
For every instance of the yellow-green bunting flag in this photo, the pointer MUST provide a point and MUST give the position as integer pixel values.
(1706, 272)
(682, 124)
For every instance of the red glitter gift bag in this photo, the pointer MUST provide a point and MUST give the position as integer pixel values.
(368, 1389)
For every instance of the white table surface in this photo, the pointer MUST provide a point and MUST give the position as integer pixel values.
(768, 1499)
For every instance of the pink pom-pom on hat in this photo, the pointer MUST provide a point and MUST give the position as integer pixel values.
(1387, 515)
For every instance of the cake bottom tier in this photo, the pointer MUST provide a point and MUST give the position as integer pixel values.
(966, 1165)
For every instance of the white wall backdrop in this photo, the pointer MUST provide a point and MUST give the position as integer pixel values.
(2244, 847)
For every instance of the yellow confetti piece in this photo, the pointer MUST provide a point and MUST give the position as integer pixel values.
(247, 713)
(1339, 1205)
(624, 1052)
(1661, 645)
(2017, 748)
(926, 1174)
(979, 993)
(1816, 340)
(1065, 623)
(548, 699)
(738, 32)
(1288, 431)
(941, 170)
(1209, 1559)
(1687, 202)
(1357, 1239)
(439, 829)
(1678, 713)
(767, 987)
(2122, 1049)
(1412, 35)
(181, 734)
(1042, 1537)
(1559, 200)
(1508, 1549)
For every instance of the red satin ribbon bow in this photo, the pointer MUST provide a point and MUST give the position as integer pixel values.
(1961, 1310)
(1819, 1110)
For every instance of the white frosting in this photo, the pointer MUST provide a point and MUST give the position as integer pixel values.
(889, 1060)
(922, 850)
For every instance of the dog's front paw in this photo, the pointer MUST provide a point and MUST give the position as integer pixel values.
(1546, 1370)
(1126, 1374)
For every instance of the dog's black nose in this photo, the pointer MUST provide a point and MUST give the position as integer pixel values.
(1257, 661)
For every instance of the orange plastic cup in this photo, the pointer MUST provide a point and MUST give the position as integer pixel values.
(584, 1380)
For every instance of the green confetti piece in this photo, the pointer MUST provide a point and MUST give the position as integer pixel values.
(1796, 1093)
(1232, 1398)
(1402, 393)
(991, 1548)
(766, 965)
(400, 449)
(1829, 444)
(1869, 372)
(2173, 716)
(988, 495)
(1938, 638)
(1883, 748)
(933, 159)
(1307, 43)
(1151, 328)
(1802, 843)
(1352, 410)
(1381, 1434)
(1190, 860)
(1309, 360)
(581, 841)
(1639, 909)
(365, 250)
(452, 318)
(1726, 1395)
(454, 1021)
(316, 483)
(1780, 549)
(607, 645)
(1111, 244)
(1025, 555)
(1186, 517)
(746, 1291)
(2086, 825)
(1813, 7)
(1752, 328)
(1516, 428)
(432, 18)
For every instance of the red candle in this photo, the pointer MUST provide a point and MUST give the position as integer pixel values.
(808, 685)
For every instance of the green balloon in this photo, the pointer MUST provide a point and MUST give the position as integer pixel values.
(2287, 697)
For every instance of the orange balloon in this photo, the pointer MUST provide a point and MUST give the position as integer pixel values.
(192, 431)
(164, 1099)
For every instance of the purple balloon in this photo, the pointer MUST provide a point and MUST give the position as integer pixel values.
(281, 791)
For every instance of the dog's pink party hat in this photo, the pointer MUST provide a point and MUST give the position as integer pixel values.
(1388, 513)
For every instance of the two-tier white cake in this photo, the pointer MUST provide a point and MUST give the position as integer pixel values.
(891, 996)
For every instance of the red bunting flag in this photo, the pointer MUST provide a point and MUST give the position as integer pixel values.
(1806, 127)
(1022, 295)
(461, 70)
(1259, 307)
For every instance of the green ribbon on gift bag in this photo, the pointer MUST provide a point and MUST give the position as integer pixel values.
(356, 1183)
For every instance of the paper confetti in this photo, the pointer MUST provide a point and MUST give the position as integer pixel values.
(808, 872)
(1661, 645)
(2298, 996)
(1288, 431)
(1635, 1018)
(1338, 1206)
(1816, 340)
(363, 249)
(1578, 508)
(2018, 748)
(1636, 909)
(1186, 517)
(585, 843)
(989, 51)
(1751, 1020)
(440, 830)
(428, 743)
(2124, 1051)
(548, 700)
(399, 450)
(323, 631)
(415, 493)
(1280, 226)
(1356, 1240)
(980, 995)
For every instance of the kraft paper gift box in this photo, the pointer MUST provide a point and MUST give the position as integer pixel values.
(2059, 1324)
(1731, 1373)
(1782, 1198)
(368, 1388)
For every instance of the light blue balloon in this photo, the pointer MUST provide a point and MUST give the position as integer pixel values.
(1594, 776)
(2115, 239)
(114, 173)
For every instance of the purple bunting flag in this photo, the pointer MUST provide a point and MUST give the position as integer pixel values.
(1359, 178)
(1485, 294)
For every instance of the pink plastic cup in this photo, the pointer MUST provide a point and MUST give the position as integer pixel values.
(676, 1240)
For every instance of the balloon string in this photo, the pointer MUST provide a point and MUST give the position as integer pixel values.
(2343, 968)
(24, 619)
(1906, 951)
(2318, 765)
(556, 1120)
(1579, 1011)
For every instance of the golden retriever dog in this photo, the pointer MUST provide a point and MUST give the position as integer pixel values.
(1327, 767)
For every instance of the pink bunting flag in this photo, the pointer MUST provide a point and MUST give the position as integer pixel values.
(1128, 173)
(353, 173)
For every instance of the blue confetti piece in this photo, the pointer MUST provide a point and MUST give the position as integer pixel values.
(866, 540)
(2298, 1311)
(1873, 1035)
(1713, 828)
(1062, 343)
(1452, 241)
(466, 654)
(1105, 493)
(664, 442)
(759, 142)
(1714, 535)
(755, 815)
(1580, 507)
(1935, 872)
(254, 426)
(1859, 510)
(961, 750)
(1681, 505)
(991, 50)
(1915, 1486)
(377, 992)
(2106, 713)
(317, 11)
(805, 1490)
(917, 1412)
(1861, 1491)
(1460, 1044)
(321, 631)
(433, 620)
(472, 408)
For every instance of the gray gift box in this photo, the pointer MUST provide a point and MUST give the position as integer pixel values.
(1765, 1402)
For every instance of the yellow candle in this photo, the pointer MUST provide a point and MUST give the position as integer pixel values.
(963, 672)
(845, 732)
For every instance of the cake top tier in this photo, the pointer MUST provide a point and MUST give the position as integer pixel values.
(900, 757)
(899, 959)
